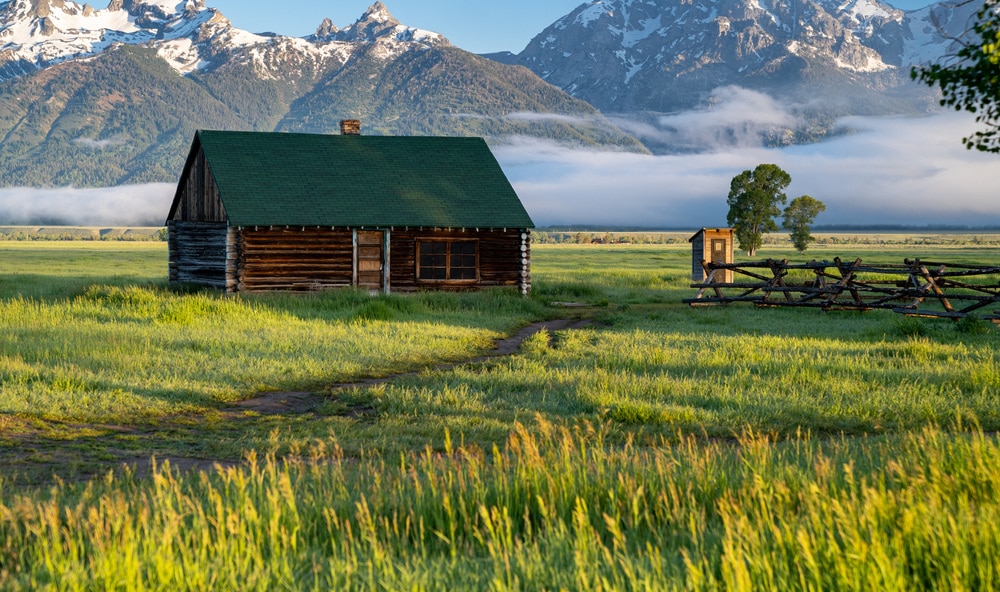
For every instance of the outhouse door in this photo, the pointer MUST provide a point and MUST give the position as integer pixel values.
(719, 250)
(370, 271)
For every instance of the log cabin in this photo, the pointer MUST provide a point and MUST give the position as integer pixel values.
(258, 211)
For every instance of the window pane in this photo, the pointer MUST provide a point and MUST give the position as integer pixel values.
(463, 248)
(433, 257)
(463, 260)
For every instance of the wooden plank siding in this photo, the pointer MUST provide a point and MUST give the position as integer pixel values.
(701, 250)
(198, 253)
(294, 259)
(199, 197)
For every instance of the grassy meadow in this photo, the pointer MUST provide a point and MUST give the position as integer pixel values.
(660, 447)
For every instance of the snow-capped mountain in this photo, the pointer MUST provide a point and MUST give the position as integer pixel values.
(190, 36)
(107, 96)
(667, 55)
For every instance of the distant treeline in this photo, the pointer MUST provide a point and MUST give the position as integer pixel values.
(902, 228)
(610, 238)
(938, 238)
(823, 238)
(71, 233)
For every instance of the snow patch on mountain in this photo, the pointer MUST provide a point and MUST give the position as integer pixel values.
(592, 14)
(933, 30)
(633, 36)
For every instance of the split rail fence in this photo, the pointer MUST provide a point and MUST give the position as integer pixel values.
(915, 288)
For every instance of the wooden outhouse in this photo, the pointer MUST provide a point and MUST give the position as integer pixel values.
(272, 211)
(715, 245)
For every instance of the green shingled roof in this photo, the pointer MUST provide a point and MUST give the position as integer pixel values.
(336, 180)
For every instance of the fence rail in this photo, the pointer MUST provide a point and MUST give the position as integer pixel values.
(915, 287)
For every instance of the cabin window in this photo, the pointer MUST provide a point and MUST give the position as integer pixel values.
(439, 260)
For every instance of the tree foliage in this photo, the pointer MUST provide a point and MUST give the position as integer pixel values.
(754, 197)
(799, 216)
(970, 80)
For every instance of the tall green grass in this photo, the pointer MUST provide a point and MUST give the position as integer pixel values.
(554, 508)
(653, 371)
(123, 353)
(660, 448)
(64, 269)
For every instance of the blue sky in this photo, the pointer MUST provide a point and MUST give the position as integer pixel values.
(474, 25)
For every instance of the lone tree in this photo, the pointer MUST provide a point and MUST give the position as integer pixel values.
(754, 197)
(799, 216)
(970, 78)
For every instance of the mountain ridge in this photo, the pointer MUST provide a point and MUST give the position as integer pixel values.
(830, 58)
(67, 117)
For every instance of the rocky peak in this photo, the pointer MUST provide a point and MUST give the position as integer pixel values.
(374, 23)
(378, 12)
(36, 8)
(377, 25)
(325, 30)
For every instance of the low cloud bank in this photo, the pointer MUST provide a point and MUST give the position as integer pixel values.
(735, 118)
(912, 171)
(128, 205)
(98, 144)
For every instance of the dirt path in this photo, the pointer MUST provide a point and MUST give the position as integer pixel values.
(79, 462)
(283, 403)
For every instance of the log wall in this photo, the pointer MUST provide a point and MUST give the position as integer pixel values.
(294, 259)
(198, 253)
(255, 259)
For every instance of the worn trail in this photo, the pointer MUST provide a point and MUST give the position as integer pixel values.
(280, 403)
(112, 454)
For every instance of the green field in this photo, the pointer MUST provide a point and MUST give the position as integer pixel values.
(658, 447)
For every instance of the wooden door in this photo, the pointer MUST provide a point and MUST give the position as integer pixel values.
(719, 250)
(369, 273)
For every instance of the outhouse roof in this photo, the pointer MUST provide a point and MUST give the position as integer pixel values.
(704, 230)
(281, 179)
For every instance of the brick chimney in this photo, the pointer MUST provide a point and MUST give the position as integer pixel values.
(350, 127)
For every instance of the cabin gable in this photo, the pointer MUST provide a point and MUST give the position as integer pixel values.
(197, 198)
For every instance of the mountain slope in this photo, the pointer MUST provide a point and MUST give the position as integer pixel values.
(444, 90)
(667, 55)
(76, 124)
(100, 97)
